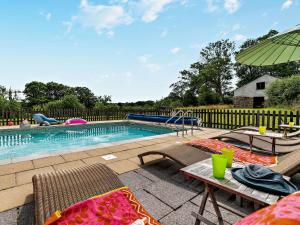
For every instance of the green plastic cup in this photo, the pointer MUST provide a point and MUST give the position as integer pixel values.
(262, 130)
(219, 163)
(291, 124)
(229, 154)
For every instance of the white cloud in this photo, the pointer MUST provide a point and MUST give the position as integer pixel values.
(287, 4)
(101, 17)
(212, 5)
(110, 34)
(175, 50)
(46, 15)
(236, 27)
(151, 9)
(69, 24)
(231, 6)
(144, 60)
(164, 33)
(239, 37)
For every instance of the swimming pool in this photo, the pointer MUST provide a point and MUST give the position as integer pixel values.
(20, 143)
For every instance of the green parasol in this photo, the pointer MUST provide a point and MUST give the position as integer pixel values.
(281, 48)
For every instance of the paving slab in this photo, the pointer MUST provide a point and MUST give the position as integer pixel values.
(122, 166)
(47, 161)
(16, 196)
(69, 165)
(9, 217)
(153, 205)
(94, 160)
(99, 151)
(171, 193)
(75, 156)
(134, 180)
(7, 181)
(26, 176)
(16, 167)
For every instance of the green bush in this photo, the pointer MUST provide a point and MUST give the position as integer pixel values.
(67, 102)
(284, 91)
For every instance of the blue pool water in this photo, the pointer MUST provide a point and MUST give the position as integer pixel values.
(40, 141)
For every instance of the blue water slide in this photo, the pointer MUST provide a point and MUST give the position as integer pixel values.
(43, 120)
(162, 119)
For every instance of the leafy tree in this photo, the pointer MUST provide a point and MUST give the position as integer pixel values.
(35, 93)
(85, 96)
(67, 102)
(284, 91)
(247, 73)
(56, 91)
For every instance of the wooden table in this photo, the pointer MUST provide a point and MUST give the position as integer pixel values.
(286, 127)
(271, 135)
(202, 171)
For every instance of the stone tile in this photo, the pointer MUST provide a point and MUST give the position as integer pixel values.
(122, 166)
(9, 217)
(48, 161)
(134, 180)
(149, 159)
(122, 155)
(7, 181)
(26, 214)
(118, 148)
(171, 193)
(69, 165)
(26, 176)
(137, 151)
(182, 216)
(133, 145)
(16, 196)
(16, 167)
(153, 205)
(99, 151)
(147, 143)
(75, 156)
(94, 160)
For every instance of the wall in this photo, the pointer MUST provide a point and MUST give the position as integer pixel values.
(243, 102)
(249, 90)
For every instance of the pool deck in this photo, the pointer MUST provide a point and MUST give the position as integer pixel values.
(15, 178)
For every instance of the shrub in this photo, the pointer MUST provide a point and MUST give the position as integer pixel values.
(67, 102)
(284, 91)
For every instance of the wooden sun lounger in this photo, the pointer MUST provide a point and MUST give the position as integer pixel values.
(183, 154)
(59, 190)
(288, 164)
(282, 146)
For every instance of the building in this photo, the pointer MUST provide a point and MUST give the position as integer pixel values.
(253, 95)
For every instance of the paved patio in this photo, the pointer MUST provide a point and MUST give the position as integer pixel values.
(160, 188)
(15, 179)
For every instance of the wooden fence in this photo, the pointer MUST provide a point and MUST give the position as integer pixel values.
(222, 118)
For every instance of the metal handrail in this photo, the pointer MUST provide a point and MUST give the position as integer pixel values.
(180, 111)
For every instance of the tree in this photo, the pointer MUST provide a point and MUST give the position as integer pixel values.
(56, 91)
(35, 93)
(67, 102)
(247, 73)
(218, 68)
(85, 96)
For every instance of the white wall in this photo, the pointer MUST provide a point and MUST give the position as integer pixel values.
(249, 90)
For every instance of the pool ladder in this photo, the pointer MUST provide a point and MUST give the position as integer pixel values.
(182, 116)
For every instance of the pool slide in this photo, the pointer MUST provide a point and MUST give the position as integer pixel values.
(43, 120)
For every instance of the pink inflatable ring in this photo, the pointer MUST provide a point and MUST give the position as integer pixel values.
(75, 121)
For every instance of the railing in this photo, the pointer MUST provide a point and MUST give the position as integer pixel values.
(223, 118)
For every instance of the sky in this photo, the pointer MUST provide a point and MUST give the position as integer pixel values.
(129, 49)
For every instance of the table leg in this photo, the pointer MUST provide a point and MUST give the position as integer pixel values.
(209, 192)
(202, 205)
(251, 142)
(215, 205)
(273, 146)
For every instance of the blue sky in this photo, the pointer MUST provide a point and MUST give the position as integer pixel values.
(130, 49)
